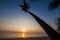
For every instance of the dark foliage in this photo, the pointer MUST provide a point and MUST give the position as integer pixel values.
(54, 4)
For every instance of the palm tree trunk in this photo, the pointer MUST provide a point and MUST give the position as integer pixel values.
(53, 35)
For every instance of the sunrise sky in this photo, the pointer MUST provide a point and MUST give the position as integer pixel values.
(12, 18)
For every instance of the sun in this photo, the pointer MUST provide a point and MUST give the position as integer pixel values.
(23, 30)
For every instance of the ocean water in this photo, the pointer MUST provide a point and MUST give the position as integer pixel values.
(19, 35)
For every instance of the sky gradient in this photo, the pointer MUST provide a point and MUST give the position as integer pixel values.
(13, 18)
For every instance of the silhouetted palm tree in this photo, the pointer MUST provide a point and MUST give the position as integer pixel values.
(54, 4)
(53, 35)
(58, 23)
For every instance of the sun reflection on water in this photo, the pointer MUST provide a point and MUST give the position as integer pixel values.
(23, 35)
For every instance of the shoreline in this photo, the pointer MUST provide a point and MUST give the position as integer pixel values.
(28, 38)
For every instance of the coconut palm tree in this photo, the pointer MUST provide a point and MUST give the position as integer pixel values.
(53, 35)
(54, 4)
(58, 23)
